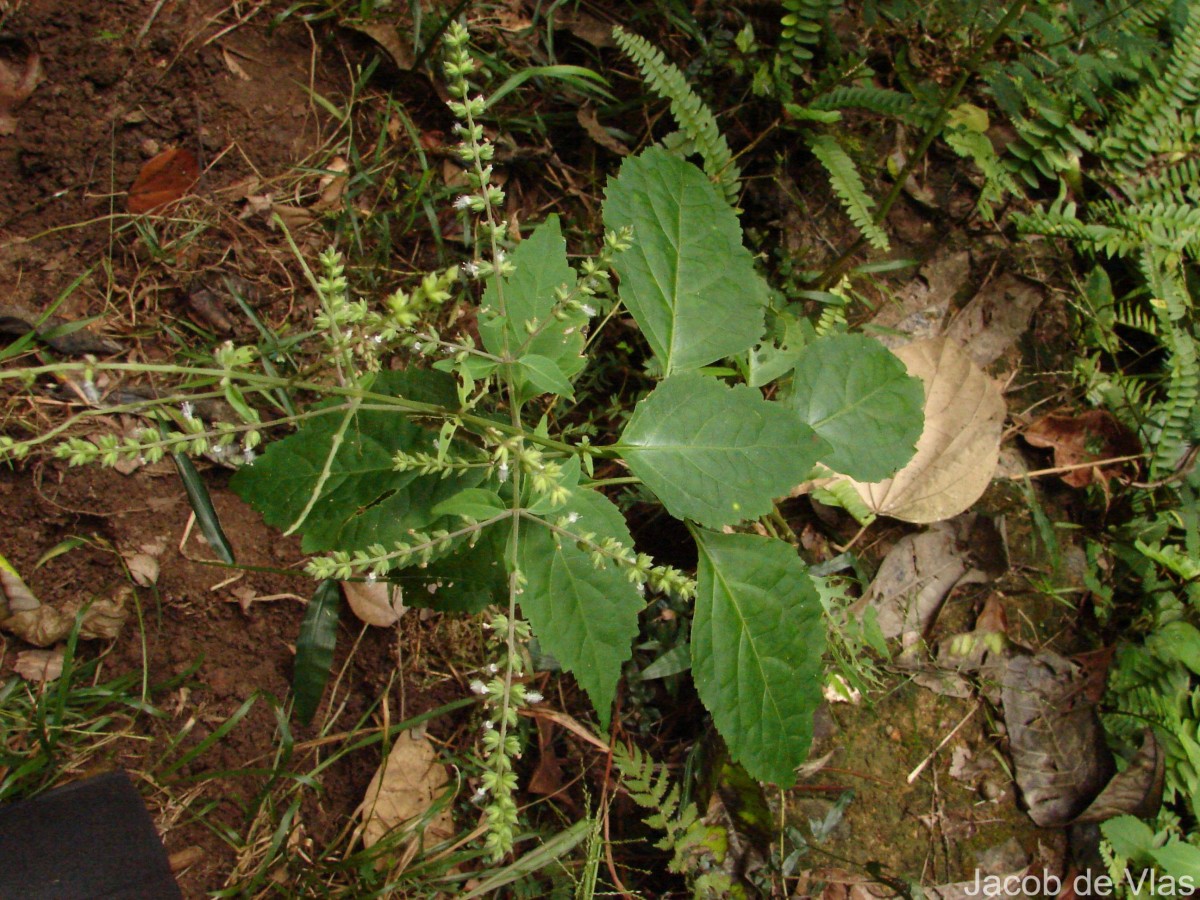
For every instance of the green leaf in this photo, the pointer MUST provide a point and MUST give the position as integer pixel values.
(474, 503)
(1179, 860)
(717, 454)
(530, 295)
(676, 660)
(545, 375)
(314, 649)
(1178, 641)
(468, 580)
(202, 506)
(585, 617)
(1130, 837)
(364, 501)
(774, 358)
(757, 642)
(688, 281)
(858, 395)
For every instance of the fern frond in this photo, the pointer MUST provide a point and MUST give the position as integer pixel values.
(1154, 112)
(649, 786)
(694, 118)
(1177, 183)
(885, 102)
(1136, 318)
(648, 783)
(844, 177)
(1171, 229)
(1172, 418)
(803, 21)
(997, 179)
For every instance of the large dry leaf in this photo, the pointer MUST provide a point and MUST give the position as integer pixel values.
(996, 317)
(1091, 436)
(1058, 749)
(22, 614)
(958, 450)
(917, 575)
(377, 603)
(404, 789)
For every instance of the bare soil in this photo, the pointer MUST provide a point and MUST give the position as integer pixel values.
(123, 81)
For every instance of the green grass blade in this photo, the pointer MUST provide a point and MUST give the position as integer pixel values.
(581, 79)
(314, 649)
(202, 506)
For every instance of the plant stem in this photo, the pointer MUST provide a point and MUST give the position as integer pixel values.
(257, 381)
(335, 443)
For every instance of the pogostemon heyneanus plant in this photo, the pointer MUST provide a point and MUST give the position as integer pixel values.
(451, 477)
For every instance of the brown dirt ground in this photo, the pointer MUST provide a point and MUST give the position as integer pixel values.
(124, 80)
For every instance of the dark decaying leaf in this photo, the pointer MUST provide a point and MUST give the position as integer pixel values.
(314, 649)
(1055, 736)
(65, 336)
(1093, 435)
(547, 777)
(1137, 791)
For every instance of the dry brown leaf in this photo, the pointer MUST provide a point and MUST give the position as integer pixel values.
(332, 184)
(959, 448)
(163, 180)
(570, 723)
(404, 789)
(46, 625)
(377, 603)
(996, 317)
(547, 777)
(586, 116)
(19, 77)
(1090, 436)
(233, 66)
(39, 665)
(143, 568)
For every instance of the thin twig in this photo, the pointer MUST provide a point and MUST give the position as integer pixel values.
(916, 773)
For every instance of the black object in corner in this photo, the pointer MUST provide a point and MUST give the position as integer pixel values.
(88, 840)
